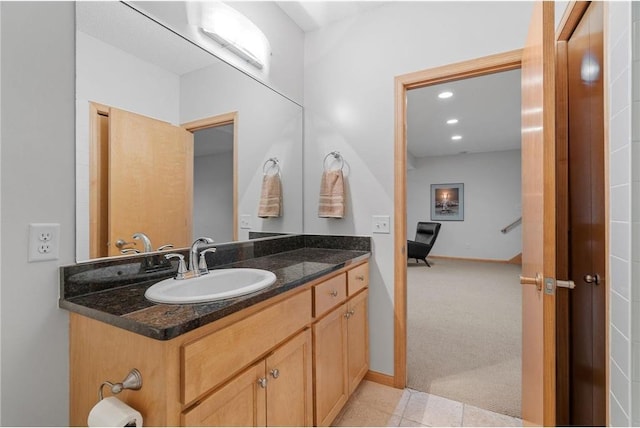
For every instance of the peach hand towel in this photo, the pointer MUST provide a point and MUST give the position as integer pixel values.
(271, 197)
(332, 200)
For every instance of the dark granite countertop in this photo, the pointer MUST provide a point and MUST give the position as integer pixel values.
(126, 307)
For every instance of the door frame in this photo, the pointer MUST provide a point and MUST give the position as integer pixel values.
(213, 122)
(506, 61)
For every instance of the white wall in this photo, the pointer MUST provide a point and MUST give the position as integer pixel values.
(618, 54)
(110, 76)
(37, 185)
(0, 219)
(492, 200)
(213, 196)
(349, 106)
(268, 125)
(635, 198)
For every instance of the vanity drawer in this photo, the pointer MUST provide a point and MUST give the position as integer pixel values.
(358, 278)
(213, 359)
(329, 293)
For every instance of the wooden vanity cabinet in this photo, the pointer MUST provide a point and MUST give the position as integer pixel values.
(341, 346)
(255, 367)
(276, 391)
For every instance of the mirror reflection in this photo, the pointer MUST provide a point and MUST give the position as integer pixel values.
(171, 141)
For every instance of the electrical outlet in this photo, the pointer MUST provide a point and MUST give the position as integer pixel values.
(245, 221)
(380, 224)
(43, 241)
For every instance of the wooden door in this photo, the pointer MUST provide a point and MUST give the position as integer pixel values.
(241, 402)
(330, 376)
(290, 387)
(150, 180)
(538, 219)
(358, 339)
(587, 220)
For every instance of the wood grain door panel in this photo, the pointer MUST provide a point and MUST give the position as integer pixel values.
(290, 386)
(150, 180)
(538, 217)
(587, 220)
(330, 376)
(241, 403)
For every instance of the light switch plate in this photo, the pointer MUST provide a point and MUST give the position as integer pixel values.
(380, 224)
(245, 221)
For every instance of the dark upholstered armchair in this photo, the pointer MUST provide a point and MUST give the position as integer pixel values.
(426, 234)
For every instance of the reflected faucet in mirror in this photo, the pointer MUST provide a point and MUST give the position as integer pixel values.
(146, 244)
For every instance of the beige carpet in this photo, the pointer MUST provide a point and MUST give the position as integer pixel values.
(464, 332)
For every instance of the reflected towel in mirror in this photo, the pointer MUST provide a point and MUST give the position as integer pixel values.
(271, 197)
(332, 200)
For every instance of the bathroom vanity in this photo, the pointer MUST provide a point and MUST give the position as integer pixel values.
(289, 355)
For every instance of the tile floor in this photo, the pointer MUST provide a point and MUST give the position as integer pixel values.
(373, 405)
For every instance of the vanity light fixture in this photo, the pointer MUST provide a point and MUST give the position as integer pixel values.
(445, 94)
(235, 32)
(456, 137)
(452, 121)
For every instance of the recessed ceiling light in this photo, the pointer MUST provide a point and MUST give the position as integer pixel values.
(452, 121)
(445, 94)
(456, 137)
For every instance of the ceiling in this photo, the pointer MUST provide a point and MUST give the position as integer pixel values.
(487, 109)
(313, 15)
(140, 37)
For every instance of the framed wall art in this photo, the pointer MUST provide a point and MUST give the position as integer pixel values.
(447, 202)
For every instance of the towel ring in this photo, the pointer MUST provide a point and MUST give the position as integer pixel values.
(271, 163)
(337, 156)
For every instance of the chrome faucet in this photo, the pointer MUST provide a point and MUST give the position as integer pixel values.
(193, 255)
(146, 242)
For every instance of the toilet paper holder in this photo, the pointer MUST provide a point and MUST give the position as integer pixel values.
(132, 381)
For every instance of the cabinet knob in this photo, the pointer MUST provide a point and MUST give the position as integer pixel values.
(275, 373)
(334, 293)
(351, 312)
(262, 382)
(360, 277)
(347, 315)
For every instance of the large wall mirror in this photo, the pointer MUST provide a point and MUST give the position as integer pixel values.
(140, 88)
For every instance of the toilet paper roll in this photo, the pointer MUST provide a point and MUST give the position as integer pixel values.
(111, 412)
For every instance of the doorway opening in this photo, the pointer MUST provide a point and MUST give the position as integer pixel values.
(215, 185)
(463, 313)
(479, 67)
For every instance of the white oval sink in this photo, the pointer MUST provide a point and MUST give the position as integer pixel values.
(218, 284)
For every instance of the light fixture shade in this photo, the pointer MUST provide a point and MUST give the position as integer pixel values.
(235, 32)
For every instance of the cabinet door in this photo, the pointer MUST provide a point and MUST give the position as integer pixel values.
(241, 402)
(290, 387)
(358, 339)
(330, 351)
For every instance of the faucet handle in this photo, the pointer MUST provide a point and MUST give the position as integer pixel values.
(202, 263)
(129, 251)
(182, 268)
(165, 247)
